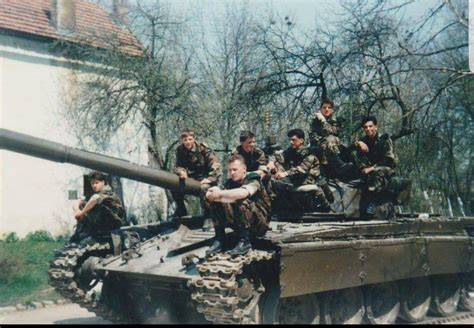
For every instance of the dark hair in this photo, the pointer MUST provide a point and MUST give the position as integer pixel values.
(296, 132)
(244, 135)
(237, 157)
(326, 101)
(96, 175)
(187, 133)
(368, 119)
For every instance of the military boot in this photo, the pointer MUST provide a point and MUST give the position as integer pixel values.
(327, 192)
(244, 245)
(324, 204)
(218, 244)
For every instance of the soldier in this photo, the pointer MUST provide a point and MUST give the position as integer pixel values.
(242, 203)
(195, 160)
(325, 143)
(254, 157)
(101, 214)
(376, 160)
(298, 169)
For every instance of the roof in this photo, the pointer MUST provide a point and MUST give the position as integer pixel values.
(33, 17)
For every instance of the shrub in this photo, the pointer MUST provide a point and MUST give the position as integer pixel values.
(12, 238)
(39, 235)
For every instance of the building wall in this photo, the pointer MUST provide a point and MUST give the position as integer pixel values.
(34, 192)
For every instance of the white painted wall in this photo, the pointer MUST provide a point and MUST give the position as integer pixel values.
(34, 192)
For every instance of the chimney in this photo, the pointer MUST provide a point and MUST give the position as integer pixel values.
(120, 11)
(63, 15)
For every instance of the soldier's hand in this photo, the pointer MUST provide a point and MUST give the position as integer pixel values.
(280, 175)
(367, 170)
(320, 117)
(183, 175)
(79, 215)
(363, 146)
(271, 166)
(213, 194)
(206, 181)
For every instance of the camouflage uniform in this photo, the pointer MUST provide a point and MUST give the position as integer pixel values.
(199, 163)
(376, 197)
(254, 160)
(250, 213)
(106, 215)
(381, 157)
(324, 138)
(302, 168)
(335, 159)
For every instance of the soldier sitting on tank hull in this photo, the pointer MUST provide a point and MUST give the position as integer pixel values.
(102, 213)
(296, 174)
(195, 160)
(335, 159)
(376, 161)
(241, 203)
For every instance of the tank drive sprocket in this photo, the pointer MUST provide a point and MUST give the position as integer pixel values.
(65, 277)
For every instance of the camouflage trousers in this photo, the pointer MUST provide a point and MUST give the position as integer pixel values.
(242, 214)
(182, 200)
(100, 220)
(378, 180)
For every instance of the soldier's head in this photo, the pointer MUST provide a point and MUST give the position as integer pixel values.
(97, 180)
(327, 108)
(237, 167)
(187, 138)
(369, 124)
(296, 137)
(247, 141)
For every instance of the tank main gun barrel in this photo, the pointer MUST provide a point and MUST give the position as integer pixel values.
(52, 151)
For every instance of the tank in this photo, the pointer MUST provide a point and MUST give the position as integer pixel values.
(309, 268)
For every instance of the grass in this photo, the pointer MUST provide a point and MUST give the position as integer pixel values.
(24, 268)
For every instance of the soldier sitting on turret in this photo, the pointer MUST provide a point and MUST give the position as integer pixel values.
(101, 214)
(297, 170)
(195, 160)
(254, 157)
(241, 203)
(326, 145)
(376, 162)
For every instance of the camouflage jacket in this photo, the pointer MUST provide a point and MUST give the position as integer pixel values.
(302, 166)
(319, 130)
(254, 160)
(200, 162)
(380, 152)
(108, 198)
(257, 191)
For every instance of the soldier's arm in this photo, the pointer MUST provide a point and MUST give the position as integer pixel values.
(93, 201)
(233, 195)
(213, 166)
(389, 155)
(303, 168)
(180, 166)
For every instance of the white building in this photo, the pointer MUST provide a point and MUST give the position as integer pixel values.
(33, 79)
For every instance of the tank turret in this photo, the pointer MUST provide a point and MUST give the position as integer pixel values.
(37, 147)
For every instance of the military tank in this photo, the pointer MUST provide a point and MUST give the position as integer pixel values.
(309, 268)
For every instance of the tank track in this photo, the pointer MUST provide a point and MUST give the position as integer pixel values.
(62, 275)
(216, 289)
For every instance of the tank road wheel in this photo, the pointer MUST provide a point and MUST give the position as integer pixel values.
(415, 299)
(299, 310)
(466, 301)
(446, 290)
(302, 309)
(382, 303)
(345, 306)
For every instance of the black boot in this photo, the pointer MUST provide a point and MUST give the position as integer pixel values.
(218, 244)
(244, 245)
(327, 193)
